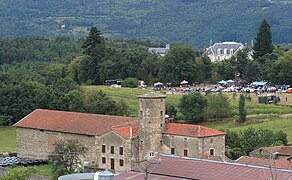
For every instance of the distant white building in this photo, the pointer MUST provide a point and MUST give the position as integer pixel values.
(160, 51)
(221, 51)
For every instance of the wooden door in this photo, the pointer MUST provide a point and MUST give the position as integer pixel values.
(112, 164)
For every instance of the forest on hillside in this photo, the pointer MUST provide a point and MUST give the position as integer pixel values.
(178, 21)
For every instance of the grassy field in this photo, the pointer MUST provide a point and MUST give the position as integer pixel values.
(129, 95)
(7, 139)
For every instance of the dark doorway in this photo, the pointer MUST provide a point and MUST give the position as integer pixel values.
(112, 164)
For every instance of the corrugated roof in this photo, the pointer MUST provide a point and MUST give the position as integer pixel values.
(194, 168)
(72, 122)
(191, 130)
(278, 163)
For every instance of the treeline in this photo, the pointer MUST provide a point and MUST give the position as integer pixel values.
(185, 21)
(101, 61)
(27, 86)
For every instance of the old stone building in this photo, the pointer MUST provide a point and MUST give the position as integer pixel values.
(115, 142)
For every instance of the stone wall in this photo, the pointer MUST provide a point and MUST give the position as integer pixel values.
(217, 143)
(37, 144)
(195, 146)
(112, 139)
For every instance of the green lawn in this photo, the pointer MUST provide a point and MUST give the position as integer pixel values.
(272, 122)
(7, 139)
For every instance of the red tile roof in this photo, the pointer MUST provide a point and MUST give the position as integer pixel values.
(278, 163)
(190, 130)
(283, 150)
(127, 130)
(194, 168)
(71, 122)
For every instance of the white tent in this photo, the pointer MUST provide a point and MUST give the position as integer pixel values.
(184, 82)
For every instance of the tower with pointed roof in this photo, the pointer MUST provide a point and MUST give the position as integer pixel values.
(151, 124)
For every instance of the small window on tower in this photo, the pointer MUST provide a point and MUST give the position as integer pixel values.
(112, 150)
(141, 113)
(161, 113)
(103, 148)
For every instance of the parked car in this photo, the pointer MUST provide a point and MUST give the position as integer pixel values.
(289, 90)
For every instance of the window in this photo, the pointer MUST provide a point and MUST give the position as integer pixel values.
(103, 160)
(172, 151)
(185, 152)
(121, 162)
(161, 113)
(231, 51)
(141, 113)
(212, 140)
(211, 151)
(218, 58)
(103, 148)
(121, 151)
(112, 150)
(151, 154)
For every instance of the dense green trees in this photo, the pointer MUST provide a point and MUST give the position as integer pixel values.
(192, 107)
(218, 107)
(179, 64)
(242, 142)
(263, 40)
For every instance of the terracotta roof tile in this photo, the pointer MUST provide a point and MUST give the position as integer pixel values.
(278, 163)
(284, 150)
(191, 130)
(71, 122)
(127, 130)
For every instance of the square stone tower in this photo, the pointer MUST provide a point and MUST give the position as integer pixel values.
(151, 124)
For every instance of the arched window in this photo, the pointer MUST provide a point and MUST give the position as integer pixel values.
(226, 51)
(219, 51)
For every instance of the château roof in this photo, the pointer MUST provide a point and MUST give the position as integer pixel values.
(72, 122)
(225, 45)
(191, 130)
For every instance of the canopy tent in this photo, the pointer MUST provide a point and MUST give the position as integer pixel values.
(230, 81)
(262, 83)
(184, 82)
(158, 84)
(222, 82)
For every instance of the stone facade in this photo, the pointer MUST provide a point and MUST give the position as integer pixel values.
(114, 152)
(121, 146)
(194, 147)
(38, 144)
(151, 124)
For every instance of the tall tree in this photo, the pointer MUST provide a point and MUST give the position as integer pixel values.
(179, 64)
(242, 109)
(263, 40)
(92, 40)
(205, 69)
(192, 107)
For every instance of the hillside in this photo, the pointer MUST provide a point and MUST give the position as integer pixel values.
(189, 21)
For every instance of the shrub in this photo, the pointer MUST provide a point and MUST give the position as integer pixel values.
(130, 82)
(218, 106)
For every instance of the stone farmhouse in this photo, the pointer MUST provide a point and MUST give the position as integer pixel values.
(275, 152)
(116, 142)
(221, 51)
